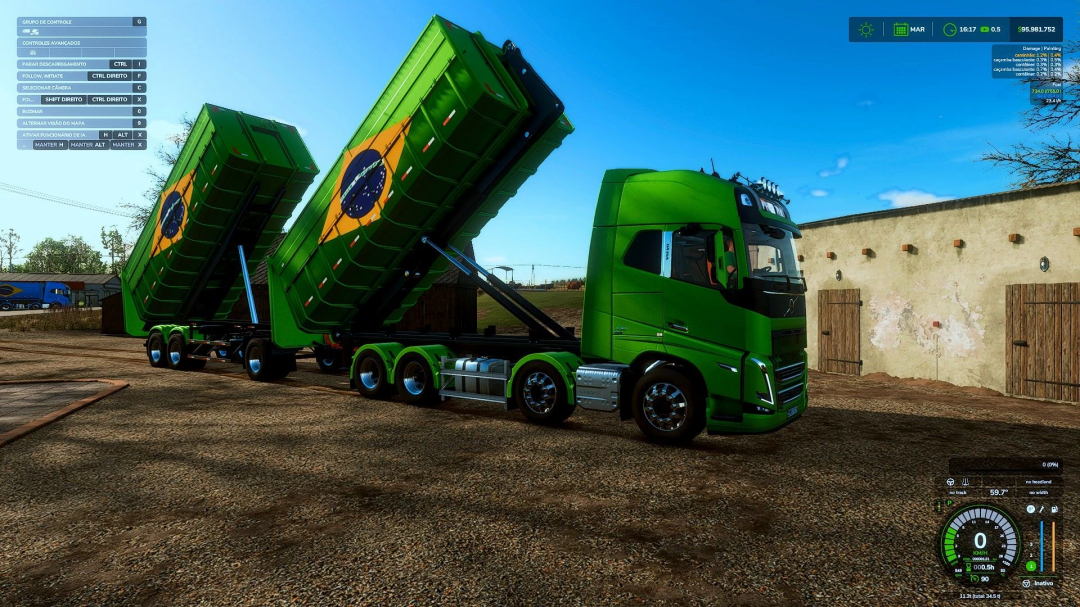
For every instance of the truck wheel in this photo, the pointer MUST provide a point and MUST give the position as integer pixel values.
(155, 350)
(5, 306)
(329, 359)
(35, 306)
(369, 374)
(414, 380)
(667, 408)
(260, 362)
(540, 393)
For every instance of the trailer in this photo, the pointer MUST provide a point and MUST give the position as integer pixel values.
(34, 295)
(694, 317)
(236, 182)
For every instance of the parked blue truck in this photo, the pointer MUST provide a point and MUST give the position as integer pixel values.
(34, 295)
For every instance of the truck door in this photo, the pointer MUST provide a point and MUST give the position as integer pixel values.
(699, 324)
(637, 297)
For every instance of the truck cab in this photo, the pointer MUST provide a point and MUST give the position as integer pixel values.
(697, 276)
(56, 295)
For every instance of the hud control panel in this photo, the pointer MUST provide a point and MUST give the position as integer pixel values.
(81, 83)
(1024, 49)
(1001, 528)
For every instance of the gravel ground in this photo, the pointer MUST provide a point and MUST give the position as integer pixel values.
(206, 488)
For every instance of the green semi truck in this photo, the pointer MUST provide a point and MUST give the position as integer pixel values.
(694, 312)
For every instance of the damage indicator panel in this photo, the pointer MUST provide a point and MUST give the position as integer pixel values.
(81, 83)
(1001, 531)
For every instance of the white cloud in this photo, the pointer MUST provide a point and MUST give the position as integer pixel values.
(495, 259)
(303, 132)
(161, 130)
(910, 198)
(819, 193)
(865, 103)
(841, 164)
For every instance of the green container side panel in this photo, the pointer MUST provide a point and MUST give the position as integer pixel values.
(525, 168)
(236, 181)
(446, 116)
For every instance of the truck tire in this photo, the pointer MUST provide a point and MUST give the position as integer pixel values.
(155, 350)
(178, 358)
(260, 362)
(667, 408)
(415, 381)
(5, 306)
(540, 394)
(329, 359)
(369, 375)
(34, 306)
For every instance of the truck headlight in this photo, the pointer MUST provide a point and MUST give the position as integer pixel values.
(765, 397)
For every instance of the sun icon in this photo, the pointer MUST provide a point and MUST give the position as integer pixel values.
(866, 30)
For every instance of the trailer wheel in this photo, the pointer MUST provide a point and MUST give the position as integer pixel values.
(329, 359)
(415, 381)
(5, 306)
(260, 362)
(540, 394)
(369, 374)
(178, 358)
(666, 407)
(155, 350)
(34, 306)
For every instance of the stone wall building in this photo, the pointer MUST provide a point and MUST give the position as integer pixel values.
(981, 291)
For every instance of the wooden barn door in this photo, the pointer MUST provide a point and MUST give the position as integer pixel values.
(838, 331)
(1042, 341)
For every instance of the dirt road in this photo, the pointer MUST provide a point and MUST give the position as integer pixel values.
(206, 488)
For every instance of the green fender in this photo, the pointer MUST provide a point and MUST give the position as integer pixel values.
(388, 352)
(168, 330)
(432, 354)
(564, 362)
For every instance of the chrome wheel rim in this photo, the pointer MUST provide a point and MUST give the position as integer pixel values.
(155, 353)
(539, 392)
(665, 407)
(328, 363)
(369, 373)
(414, 378)
(255, 365)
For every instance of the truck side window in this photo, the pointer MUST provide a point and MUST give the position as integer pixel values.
(692, 258)
(644, 252)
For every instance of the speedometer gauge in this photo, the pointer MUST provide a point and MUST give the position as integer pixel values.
(979, 545)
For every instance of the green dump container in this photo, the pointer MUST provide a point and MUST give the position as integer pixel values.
(447, 116)
(236, 182)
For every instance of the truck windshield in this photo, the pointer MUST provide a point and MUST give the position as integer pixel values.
(771, 252)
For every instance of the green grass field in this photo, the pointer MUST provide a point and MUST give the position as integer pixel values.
(563, 306)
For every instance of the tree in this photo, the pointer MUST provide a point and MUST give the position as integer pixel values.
(70, 256)
(115, 248)
(167, 154)
(1057, 159)
(10, 244)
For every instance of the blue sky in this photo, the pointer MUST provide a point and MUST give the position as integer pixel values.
(771, 89)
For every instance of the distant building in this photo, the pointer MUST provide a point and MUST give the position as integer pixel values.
(981, 291)
(86, 289)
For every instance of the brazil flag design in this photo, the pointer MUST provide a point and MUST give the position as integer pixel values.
(365, 181)
(172, 214)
